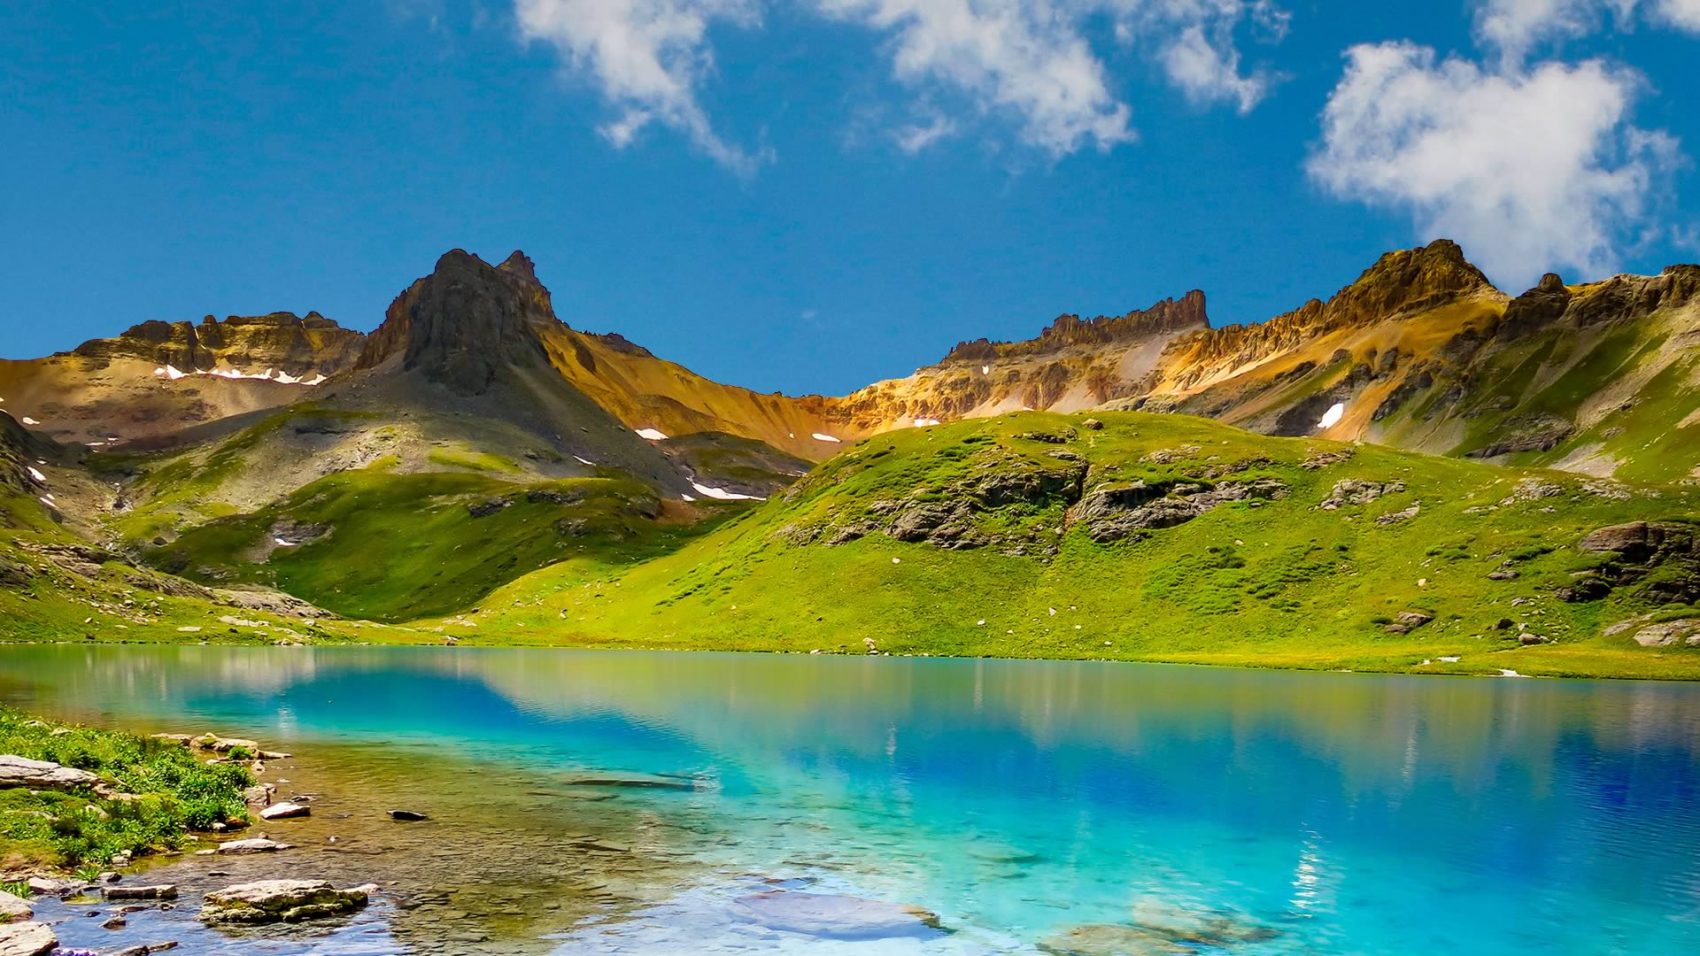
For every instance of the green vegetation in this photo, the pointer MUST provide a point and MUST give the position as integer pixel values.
(1276, 581)
(154, 793)
(389, 547)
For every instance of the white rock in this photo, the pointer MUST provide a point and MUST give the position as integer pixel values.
(27, 939)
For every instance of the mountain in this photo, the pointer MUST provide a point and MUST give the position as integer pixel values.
(159, 378)
(1162, 537)
(1419, 352)
(476, 462)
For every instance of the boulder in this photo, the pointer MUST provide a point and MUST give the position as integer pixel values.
(224, 745)
(286, 811)
(1356, 491)
(27, 939)
(14, 909)
(1407, 621)
(1670, 633)
(1640, 541)
(255, 845)
(280, 901)
(164, 891)
(832, 917)
(408, 816)
(18, 771)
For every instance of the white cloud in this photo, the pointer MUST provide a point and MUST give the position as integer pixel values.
(918, 136)
(1530, 169)
(1207, 72)
(1026, 62)
(1515, 27)
(647, 57)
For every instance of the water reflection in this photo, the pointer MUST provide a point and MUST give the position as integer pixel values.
(1018, 798)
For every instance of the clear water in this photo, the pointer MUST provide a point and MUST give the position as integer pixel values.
(1016, 800)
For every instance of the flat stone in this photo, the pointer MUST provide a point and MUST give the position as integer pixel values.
(14, 909)
(1670, 634)
(18, 771)
(256, 845)
(27, 939)
(285, 811)
(162, 892)
(832, 917)
(286, 901)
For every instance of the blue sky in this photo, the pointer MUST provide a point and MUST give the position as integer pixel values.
(814, 194)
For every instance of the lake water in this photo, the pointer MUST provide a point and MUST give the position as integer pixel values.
(1017, 801)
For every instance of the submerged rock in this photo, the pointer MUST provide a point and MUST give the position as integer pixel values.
(833, 917)
(1105, 939)
(161, 892)
(285, 901)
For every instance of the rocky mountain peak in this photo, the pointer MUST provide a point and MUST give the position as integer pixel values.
(520, 264)
(1409, 279)
(464, 323)
(1166, 318)
(277, 340)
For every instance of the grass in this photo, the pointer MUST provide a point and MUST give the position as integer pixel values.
(1278, 583)
(175, 793)
(391, 547)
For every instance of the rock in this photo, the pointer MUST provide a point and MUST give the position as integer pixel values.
(224, 745)
(18, 771)
(1356, 491)
(273, 901)
(27, 939)
(1639, 541)
(42, 886)
(1114, 513)
(1588, 588)
(1092, 425)
(1503, 574)
(1399, 516)
(408, 816)
(255, 845)
(146, 949)
(1670, 633)
(164, 891)
(286, 811)
(831, 917)
(1322, 460)
(1407, 621)
(1104, 939)
(116, 922)
(14, 909)
(259, 795)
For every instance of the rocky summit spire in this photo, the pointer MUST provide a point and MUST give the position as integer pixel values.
(466, 322)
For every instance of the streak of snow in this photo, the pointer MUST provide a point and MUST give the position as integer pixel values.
(38, 476)
(30, 421)
(925, 422)
(282, 543)
(723, 494)
(651, 434)
(584, 461)
(817, 436)
(1332, 417)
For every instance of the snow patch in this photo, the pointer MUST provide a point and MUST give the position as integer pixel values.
(282, 543)
(1332, 417)
(687, 497)
(269, 375)
(817, 436)
(38, 476)
(48, 501)
(926, 422)
(985, 370)
(723, 494)
(651, 434)
(30, 421)
(584, 461)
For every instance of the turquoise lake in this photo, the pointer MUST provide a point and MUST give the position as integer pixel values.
(1017, 801)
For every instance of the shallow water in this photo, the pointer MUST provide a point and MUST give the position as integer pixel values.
(1317, 813)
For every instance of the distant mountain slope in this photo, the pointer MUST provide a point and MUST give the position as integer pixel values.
(159, 378)
(1164, 537)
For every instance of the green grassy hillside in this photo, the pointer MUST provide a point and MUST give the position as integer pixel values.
(1154, 537)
